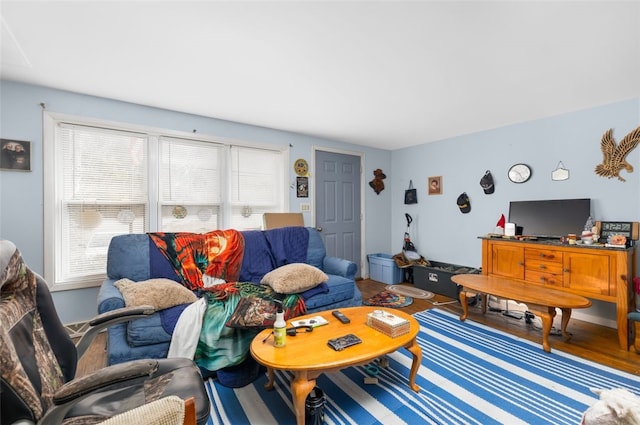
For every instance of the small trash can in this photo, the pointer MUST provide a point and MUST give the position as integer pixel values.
(383, 268)
(314, 407)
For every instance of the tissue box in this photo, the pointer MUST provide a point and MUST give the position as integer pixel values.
(387, 323)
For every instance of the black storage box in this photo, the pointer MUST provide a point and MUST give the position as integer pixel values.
(436, 278)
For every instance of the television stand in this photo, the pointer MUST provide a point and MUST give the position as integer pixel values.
(593, 271)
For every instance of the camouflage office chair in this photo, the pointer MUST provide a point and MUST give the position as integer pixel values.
(39, 361)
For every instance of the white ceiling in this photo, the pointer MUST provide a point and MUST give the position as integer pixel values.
(384, 74)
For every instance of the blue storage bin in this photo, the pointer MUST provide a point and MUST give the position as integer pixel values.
(383, 268)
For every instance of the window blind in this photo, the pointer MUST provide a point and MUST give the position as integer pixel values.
(190, 185)
(104, 192)
(257, 182)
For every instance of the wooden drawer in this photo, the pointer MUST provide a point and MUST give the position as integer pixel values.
(544, 278)
(543, 266)
(546, 255)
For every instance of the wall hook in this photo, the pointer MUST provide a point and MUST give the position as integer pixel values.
(560, 173)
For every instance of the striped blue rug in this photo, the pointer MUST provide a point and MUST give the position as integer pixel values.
(470, 374)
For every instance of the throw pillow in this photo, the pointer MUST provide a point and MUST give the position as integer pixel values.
(294, 278)
(253, 312)
(160, 293)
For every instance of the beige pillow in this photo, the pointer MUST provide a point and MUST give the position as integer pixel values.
(294, 278)
(159, 293)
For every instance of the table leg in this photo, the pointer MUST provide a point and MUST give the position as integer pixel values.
(301, 386)
(414, 348)
(547, 322)
(465, 306)
(566, 315)
(270, 378)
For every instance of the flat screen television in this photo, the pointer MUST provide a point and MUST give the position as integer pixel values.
(550, 218)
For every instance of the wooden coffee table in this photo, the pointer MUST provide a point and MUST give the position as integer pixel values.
(535, 296)
(307, 355)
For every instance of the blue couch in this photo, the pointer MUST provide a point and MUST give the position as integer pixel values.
(134, 256)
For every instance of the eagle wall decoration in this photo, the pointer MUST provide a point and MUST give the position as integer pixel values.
(614, 155)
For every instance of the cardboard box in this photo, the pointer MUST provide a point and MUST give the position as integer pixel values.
(276, 220)
(383, 268)
(437, 278)
(387, 323)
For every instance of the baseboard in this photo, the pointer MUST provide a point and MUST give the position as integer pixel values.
(576, 314)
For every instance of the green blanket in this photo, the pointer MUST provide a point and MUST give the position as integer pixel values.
(222, 346)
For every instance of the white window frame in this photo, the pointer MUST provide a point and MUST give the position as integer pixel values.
(52, 189)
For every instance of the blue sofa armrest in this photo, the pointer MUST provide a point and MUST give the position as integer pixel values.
(109, 298)
(340, 267)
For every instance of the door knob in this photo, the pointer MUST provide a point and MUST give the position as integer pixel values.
(319, 229)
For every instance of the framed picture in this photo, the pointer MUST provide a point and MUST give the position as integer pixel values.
(434, 185)
(15, 155)
(302, 185)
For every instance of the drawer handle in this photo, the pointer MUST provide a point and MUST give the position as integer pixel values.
(542, 266)
(542, 279)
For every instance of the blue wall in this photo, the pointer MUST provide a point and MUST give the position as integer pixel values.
(21, 194)
(439, 230)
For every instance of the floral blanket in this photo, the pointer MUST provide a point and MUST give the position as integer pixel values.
(223, 341)
(217, 253)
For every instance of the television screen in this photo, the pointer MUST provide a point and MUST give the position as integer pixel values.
(550, 218)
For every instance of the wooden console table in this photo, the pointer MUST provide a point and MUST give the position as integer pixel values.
(549, 299)
(594, 271)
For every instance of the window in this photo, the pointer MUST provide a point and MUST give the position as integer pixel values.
(256, 180)
(190, 185)
(105, 180)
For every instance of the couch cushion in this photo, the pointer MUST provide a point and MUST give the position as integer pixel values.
(159, 266)
(159, 293)
(109, 297)
(340, 289)
(146, 331)
(266, 250)
(294, 278)
(128, 256)
(154, 329)
(258, 259)
(288, 244)
(316, 250)
(119, 350)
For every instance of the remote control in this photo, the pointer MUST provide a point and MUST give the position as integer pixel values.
(341, 317)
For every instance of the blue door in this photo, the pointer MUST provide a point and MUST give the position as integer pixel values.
(337, 209)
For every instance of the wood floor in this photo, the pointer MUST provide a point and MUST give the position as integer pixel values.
(593, 342)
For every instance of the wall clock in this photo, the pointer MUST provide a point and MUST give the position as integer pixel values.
(301, 167)
(519, 173)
